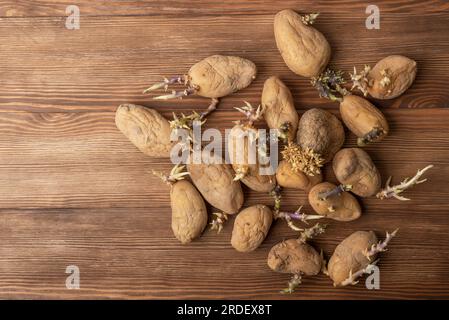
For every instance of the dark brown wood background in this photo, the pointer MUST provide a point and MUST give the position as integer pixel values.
(73, 190)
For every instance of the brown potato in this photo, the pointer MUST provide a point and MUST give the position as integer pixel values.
(243, 164)
(353, 166)
(258, 182)
(238, 145)
(321, 132)
(278, 106)
(348, 256)
(293, 256)
(251, 226)
(286, 177)
(145, 128)
(400, 72)
(304, 49)
(363, 119)
(215, 182)
(218, 76)
(341, 207)
(189, 214)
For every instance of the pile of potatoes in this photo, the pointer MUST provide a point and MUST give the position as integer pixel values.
(312, 140)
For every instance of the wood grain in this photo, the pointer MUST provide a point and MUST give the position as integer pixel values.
(74, 190)
(39, 8)
(133, 254)
(82, 160)
(110, 60)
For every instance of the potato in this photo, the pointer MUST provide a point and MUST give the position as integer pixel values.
(258, 182)
(218, 76)
(348, 256)
(286, 177)
(213, 77)
(363, 119)
(391, 77)
(251, 226)
(215, 182)
(321, 132)
(293, 256)
(342, 207)
(304, 49)
(278, 106)
(145, 128)
(238, 145)
(353, 166)
(241, 161)
(189, 214)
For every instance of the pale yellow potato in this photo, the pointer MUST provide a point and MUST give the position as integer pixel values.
(189, 214)
(343, 207)
(401, 72)
(241, 161)
(286, 177)
(295, 257)
(251, 226)
(362, 117)
(348, 257)
(215, 182)
(148, 130)
(278, 106)
(353, 166)
(218, 76)
(304, 49)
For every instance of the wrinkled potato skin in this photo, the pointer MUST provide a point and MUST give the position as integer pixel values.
(322, 132)
(287, 178)
(401, 71)
(215, 183)
(189, 214)
(148, 130)
(349, 255)
(361, 117)
(278, 105)
(354, 166)
(304, 49)
(346, 205)
(292, 256)
(238, 145)
(258, 182)
(251, 226)
(218, 76)
(253, 179)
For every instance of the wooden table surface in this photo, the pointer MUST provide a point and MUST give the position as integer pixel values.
(75, 191)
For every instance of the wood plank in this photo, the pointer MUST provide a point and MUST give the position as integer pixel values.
(130, 253)
(84, 138)
(74, 190)
(81, 160)
(110, 60)
(25, 8)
